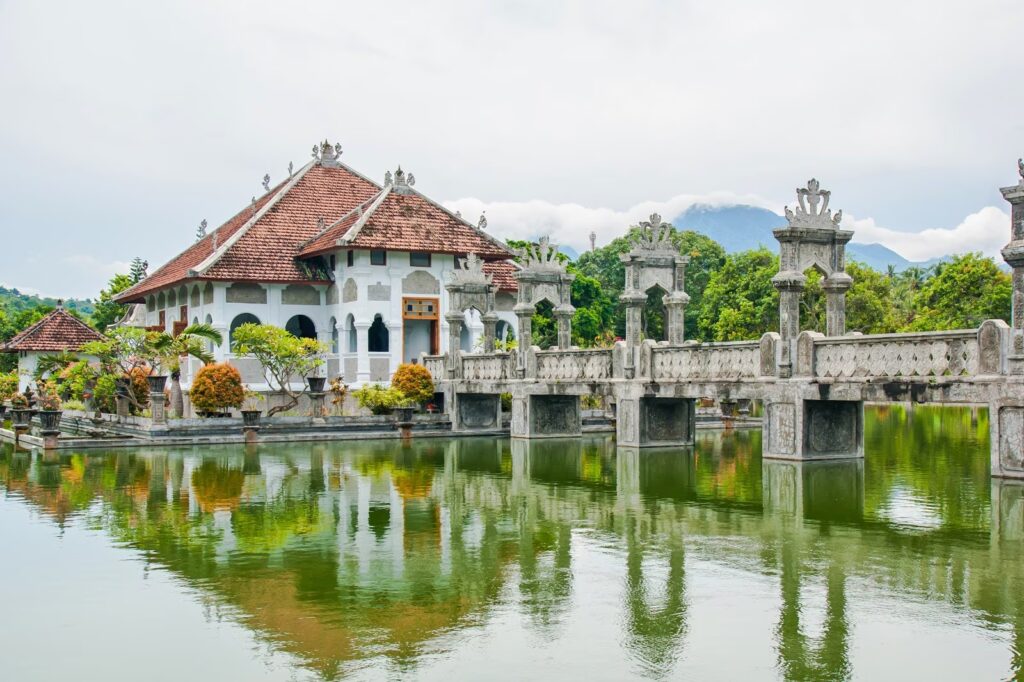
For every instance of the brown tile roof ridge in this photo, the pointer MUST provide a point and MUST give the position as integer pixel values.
(223, 248)
(331, 236)
(49, 325)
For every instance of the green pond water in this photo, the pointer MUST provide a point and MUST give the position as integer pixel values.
(486, 559)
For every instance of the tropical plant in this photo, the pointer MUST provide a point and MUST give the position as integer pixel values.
(414, 382)
(252, 400)
(217, 387)
(285, 359)
(338, 392)
(125, 352)
(8, 385)
(47, 398)
(19, 401)
(381, 400)
(190, 342)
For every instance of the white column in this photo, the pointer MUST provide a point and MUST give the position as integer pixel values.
(363, 350)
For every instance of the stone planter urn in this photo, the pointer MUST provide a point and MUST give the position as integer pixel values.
(316, 384)
(157, 383)
(21, 417)
(50, 421)
(251, 418)
(403, 415)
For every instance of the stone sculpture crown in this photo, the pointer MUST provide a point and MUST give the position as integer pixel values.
(471, 272)
(542, 256)
(808, 212)
(655, 235)
(325, 152)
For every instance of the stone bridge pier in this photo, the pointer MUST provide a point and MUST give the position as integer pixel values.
(475, 411)
(645, 420)
(546, 415)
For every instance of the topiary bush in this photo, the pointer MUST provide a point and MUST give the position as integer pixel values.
(217, 387)
(380, 400)
(414, 382)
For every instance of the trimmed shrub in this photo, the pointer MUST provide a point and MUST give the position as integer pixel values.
(414, 382)
(217, 387)
(380, 400)
(8, 385)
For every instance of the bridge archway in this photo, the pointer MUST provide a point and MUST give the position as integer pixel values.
(654, 293)
(543, 277)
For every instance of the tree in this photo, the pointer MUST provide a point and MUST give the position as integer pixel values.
(138, 270)
(962, 294)
(126, 352)
(414, 381)
(190, 342)
(740, 302)
(284, 358)
(216, 387)
(107, 311)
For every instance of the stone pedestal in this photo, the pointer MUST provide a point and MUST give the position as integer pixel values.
(655, 422)
(1006, 428)
(251, 434)
(50, 440)
(158, 407)
(316, 407)
(476, 412)
(806, 429)
(121, 406)
(546, 416)
(835, 287)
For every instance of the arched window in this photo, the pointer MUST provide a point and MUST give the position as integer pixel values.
(334, 335)
(301, 326)
(378, 335)
(350, 327)
(244, 318)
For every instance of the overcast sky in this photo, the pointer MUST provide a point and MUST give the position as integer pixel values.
(122, 125)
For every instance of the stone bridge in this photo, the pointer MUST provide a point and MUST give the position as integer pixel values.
(813, 386)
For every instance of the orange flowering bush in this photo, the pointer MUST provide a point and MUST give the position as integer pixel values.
(217, 386)
(414, 381)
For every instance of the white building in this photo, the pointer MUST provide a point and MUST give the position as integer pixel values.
(57, 332)
(332, 255)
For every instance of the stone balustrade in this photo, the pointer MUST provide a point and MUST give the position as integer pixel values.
(486, 367)
(711, 361)
(588, 365)
(435, 365)
(932, 354)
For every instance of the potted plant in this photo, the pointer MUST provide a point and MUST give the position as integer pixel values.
(316, 384)
(156, 382)
(251, 408)
(21, 415)
(49, 404)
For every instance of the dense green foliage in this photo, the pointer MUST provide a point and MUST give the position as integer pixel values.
(285, 358)
(380, 400)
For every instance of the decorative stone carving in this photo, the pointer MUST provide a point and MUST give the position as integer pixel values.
(991, 346)
(378, 292)
(898, 355)
(300, 294)
(732, 360)
(326, 154)
(769, 349)
(831, 428)
(350, 291)
(574, 365)
(543, 277)
(471, 287)
(812, 239)
(244, 292)
(1011, 438)
(420, 282)
(654, 262)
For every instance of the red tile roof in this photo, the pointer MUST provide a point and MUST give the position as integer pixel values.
(57, 331)
(402, 219)
(501, 272)
(268, 245)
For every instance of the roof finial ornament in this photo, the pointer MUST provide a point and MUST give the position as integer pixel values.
(403, 181)
(320, 224)
(808, 214)
(327, 154)
(458, 214)
(1020, 169)
(266, 182)
(387, 178)
(541, 257)
(291, 167)
(254, 205)
(60, 304)
(593, 241)
(481, 224)
(201, 230)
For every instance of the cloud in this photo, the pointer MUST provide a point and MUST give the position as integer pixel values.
(571, 224)
(81, 267)
(986, 230)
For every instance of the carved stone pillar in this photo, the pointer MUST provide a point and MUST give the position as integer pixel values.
(791, 287)
(835, 288)
(455, 321)
(1013, 254)
(675, 317)
(490, 321)
(563, 316)
(634, 304)
(524, 316)
(158, 408)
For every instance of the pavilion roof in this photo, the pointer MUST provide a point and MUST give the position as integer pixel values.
(57, 331)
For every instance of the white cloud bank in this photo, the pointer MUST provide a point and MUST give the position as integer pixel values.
(987, 230)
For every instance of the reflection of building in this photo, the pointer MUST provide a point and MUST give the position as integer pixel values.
(330, 254)
(57, 332)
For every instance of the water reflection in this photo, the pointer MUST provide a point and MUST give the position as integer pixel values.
(351, 553)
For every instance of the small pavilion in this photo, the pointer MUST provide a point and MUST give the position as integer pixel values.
(59, 331)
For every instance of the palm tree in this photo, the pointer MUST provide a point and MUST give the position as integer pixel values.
(190, 342)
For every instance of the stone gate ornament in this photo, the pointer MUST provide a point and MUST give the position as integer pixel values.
(655, 235)
(808, 214)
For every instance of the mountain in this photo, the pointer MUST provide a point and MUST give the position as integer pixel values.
(14, 301)
(740, 227)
